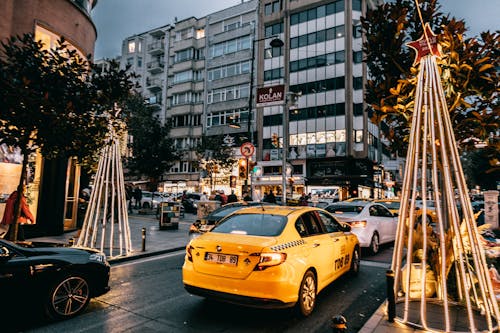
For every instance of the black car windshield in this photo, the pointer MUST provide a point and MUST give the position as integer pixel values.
(252, 224)
(345, 209)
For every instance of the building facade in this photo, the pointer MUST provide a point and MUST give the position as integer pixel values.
(53, 185)
(330, 142)
(217, 64)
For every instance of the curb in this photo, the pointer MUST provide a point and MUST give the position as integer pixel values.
(143, 255)
(374, 321)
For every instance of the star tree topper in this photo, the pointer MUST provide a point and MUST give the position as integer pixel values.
(427, 44)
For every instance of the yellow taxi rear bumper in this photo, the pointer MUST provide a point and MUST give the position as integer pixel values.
(274, 287)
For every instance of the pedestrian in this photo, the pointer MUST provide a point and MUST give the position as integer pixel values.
(232, 197)
(137, 197)
(270, 197)
(129, 194)
(303, 200)
(246, 196)
(26, 216)
(203, 196)
(223, 197)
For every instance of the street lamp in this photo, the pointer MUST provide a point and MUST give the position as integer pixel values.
(275, 42)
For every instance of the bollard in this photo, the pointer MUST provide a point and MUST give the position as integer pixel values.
(339, 324)
(143, 239)
(391, 299)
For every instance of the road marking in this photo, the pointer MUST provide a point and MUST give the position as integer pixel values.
(156, 257)
(375, 264)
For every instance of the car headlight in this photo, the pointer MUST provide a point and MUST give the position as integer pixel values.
(98, 257)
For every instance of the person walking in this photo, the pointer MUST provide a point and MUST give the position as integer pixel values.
(137, 197)
(246, 196)
(26, 216)
(232, 197)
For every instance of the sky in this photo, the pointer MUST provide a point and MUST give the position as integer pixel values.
(118, 19)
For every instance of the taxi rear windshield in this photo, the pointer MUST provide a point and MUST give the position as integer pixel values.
(252, 224)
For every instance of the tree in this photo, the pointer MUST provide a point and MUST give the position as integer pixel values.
(469, 71)
(49, 103)
(215, 151)
(153, 151)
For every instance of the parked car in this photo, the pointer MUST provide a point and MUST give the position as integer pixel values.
(207, 222)
(56, 280)
(372, 222)
(271, 257)
(151, 199)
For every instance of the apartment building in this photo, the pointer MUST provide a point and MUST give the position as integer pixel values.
(185, 98)
(230, 45)
(145, 53)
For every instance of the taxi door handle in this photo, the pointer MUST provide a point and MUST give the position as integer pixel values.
(316, 244)
(335, 240)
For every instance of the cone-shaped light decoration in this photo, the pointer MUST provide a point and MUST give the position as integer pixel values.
(440, 268)
(106, 226)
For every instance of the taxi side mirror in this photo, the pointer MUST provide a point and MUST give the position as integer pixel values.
(345, 227)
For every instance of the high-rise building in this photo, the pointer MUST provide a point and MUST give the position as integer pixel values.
(329, 139)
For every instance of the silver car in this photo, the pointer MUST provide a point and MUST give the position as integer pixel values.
(373, 223)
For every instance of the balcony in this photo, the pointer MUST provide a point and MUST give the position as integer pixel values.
(154, 85)
(156, 66)
(156, 48)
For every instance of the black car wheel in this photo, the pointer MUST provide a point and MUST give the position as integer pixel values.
(145, 205)
(307, 294)
(355, 262)
(68, 297)
(374, 244)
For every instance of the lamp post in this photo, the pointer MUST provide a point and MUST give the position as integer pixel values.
(275, 42)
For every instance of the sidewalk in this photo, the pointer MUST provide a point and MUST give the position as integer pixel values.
(157, 241)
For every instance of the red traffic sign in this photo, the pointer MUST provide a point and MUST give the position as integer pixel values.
(247, 149)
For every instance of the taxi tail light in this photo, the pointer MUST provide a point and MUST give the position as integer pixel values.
(270, 259)
(193, 228)
(358, 224)
(189, 254)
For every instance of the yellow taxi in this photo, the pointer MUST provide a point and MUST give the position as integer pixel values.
(271, 257)
(394, 204)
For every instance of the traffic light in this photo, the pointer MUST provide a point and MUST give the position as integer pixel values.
(251, 166)
(242, 168)
(274, 140)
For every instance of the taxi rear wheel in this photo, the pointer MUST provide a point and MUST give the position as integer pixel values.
(355, 262)
(307, 294)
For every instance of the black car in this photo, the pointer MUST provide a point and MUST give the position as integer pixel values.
(206, 223)
(55, 280)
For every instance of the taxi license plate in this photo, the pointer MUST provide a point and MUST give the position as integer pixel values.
(220, 258)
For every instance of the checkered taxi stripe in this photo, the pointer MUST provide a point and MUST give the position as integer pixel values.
(288, 245)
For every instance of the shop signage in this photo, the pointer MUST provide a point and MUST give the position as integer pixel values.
(273, 95)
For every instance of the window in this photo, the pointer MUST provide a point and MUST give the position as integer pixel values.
(139, 62)
(273, 7)
(131, 46)
(200, 33)
(183, 77)
(184, 55)
(312, 225)
(358, 136)
(329, 222)
(232, 26)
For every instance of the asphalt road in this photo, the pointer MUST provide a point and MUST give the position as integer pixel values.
(147, 296)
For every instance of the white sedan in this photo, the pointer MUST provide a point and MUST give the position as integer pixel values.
(373, 223)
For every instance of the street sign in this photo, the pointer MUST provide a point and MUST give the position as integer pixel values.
(247, 149)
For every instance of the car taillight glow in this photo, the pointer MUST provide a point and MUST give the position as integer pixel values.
(358, 224)
(189, 255)
(270, 259)
(193, 228)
